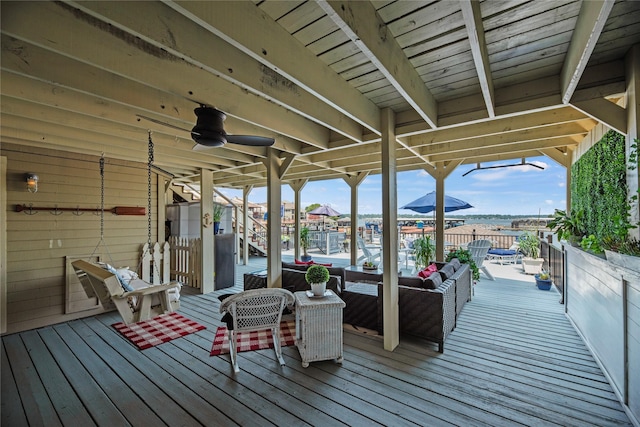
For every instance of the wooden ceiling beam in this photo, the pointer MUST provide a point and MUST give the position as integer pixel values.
(86, 41)
(591, 20)
(364, 27)
(271, 45)
(197, 46)
(475, 31)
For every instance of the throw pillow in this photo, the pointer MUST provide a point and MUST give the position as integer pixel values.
(427, 271)
(433, 281)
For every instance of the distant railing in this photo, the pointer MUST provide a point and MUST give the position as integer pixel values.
(454, 241)
(554, 263)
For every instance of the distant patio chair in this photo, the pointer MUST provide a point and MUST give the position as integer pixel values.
(479, 250)
(369, 253)
(505, 256)
(256, 310)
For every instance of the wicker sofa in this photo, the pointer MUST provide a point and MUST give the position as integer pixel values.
(427, 312)
(293, 278)
(462, 276)
(428, 308)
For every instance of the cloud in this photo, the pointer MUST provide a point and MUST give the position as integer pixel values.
(549, 202)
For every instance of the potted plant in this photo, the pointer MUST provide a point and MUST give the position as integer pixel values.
(305, 241)
(529, 244)
(285, 242)
(543, 280)
(423, 251)
(317, 276)
(369, 265)
(568, 227)
(464, 256)
(218, 211)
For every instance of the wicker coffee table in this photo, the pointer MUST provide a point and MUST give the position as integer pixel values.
(319, 327)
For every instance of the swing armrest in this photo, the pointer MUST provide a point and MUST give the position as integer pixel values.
(150, 290)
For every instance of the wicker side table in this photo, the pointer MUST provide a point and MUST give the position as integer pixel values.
(319, 327)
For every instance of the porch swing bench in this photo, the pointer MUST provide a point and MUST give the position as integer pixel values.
(134, 306)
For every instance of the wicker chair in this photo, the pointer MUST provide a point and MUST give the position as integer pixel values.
(479, 250)
(256, 310)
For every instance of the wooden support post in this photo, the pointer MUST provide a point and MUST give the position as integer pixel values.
(297, 187)
(391, 327)
(354, 182)
(206, 232)
(274, 222)
(247, 227)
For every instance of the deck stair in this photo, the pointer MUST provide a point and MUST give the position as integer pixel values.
(185, 192)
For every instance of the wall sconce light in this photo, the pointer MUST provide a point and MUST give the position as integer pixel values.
(32, 182)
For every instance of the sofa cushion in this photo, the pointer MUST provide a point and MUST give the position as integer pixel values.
(447, 271)
(455, 262)
(433, 281)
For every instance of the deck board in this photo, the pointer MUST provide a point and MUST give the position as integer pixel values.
(513, 359)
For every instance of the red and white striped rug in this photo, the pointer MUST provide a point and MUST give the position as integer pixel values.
(257, 340)
(160, 329)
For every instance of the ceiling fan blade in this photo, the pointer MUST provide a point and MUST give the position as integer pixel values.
(251, 140)
(200, 147)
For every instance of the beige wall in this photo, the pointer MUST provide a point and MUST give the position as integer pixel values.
(37, 244)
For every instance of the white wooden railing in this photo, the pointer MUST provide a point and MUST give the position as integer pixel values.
(155, 263)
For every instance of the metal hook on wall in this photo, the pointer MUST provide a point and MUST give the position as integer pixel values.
(56, 211)
(30, 210)
(77, 211)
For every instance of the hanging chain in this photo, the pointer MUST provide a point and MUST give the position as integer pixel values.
(150, 163)
(101, 241)
(102, 197)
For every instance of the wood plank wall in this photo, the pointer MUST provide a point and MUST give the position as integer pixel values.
(37, 244)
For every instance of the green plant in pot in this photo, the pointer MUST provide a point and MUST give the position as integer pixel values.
(285, 242)
(529, 244)
(569, 227)
(317, 277)
(424, 251)
(464, 256)
(218, 211)
(543, 280)
(305, 241)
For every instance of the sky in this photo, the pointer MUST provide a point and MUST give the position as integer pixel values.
(522, 190)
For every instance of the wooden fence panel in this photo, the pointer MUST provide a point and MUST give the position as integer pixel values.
(184, 262)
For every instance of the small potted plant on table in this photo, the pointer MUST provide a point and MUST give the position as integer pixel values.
(317, 276)
(369, 265)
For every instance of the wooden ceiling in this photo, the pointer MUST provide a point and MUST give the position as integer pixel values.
(468, 81)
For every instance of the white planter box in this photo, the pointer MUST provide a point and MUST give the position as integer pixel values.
(532, 265)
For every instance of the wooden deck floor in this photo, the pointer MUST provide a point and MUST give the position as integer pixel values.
(513, 359)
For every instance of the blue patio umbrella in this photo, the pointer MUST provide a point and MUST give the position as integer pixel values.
(427, 203)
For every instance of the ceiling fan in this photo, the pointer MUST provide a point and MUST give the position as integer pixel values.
(209, 131)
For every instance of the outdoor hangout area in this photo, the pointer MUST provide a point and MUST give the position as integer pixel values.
(298, 213)
(512, 358)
